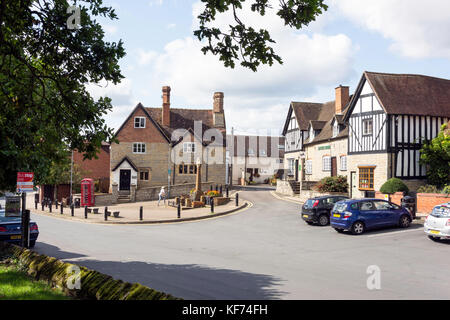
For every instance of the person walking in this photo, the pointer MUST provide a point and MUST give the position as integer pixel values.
(162, 195)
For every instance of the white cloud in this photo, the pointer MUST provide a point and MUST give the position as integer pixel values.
(145, 57)
(256, 100)
(122, 100)
(110, 29)
(155, 3)
(418, 29)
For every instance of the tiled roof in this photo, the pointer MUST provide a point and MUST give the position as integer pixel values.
(411, 94)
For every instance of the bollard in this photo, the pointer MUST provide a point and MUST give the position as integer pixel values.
(85, 212)
(72, 209)
(212, 205)
(179, 210)
(237, 199)
(220, 189)
(141, 213)
(227, 191)
(42, 204)
(50, 206)
(217, 188)
(56, 204)
(211, 188)
(106, 213)
(62, 206)
(35, 205)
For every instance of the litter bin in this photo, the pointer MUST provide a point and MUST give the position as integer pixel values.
(77, 202)
(410, 204)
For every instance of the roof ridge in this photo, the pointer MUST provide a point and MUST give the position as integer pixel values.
(405, 74)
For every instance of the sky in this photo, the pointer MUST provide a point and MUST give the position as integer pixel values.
(352, 36)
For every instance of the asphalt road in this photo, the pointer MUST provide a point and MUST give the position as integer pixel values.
(265, 252)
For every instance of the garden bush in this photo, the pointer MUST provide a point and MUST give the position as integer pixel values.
(332, 184)
(394, 185)
(428, 189)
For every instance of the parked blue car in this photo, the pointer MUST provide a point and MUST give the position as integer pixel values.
(11, 230)
(359, 215)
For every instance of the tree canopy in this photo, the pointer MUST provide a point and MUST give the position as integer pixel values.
(242, 42)
(436, 156)
(45, 66)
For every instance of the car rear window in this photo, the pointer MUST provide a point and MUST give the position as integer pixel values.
(340, 207)
(441, 212)
(309, 203)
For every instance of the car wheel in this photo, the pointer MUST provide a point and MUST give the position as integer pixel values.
(324, 220)
(358, 228)
(436, 239)
(339, 230)
(405, 221)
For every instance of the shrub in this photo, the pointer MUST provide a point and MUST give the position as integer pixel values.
(332, 184)
(446, 189)
(428, 189)
(394, 185)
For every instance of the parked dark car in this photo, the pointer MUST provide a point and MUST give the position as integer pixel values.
(317, 210)
(11, 230)
(360, 215)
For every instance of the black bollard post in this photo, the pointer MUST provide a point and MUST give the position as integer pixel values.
(227, 191)
(50, 206)
(237, 199)
(221, 189)
(179, 210)
(217, 188)
(56, 204)
(62, 206)
(212, 205)
(72, 210)
(85, 212)
(106, 213)
(35, 205)
(42, 204)
(141, 213)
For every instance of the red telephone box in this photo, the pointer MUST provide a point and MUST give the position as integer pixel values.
(87, 193)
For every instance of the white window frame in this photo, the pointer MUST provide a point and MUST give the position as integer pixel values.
(343, 163)
(335, 129)
(250, 152)
(308, 167)
(139, 148)
(262, 153)
(326, 163)
(365, 127)
(189, 147)
(291, 167)
(141, 123)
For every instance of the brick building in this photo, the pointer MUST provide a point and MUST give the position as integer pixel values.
(161, 146)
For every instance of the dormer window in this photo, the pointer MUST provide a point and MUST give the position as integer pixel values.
(139, 122)
(335, 129)
(189, 147)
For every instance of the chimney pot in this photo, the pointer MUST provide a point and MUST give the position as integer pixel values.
(342, 98)
(218, 102)
(166, 106)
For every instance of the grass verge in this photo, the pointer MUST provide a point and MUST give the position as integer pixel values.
(17, 285)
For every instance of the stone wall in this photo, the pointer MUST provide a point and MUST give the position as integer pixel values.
(283, 187)
(150, 194)
(308, 194)
(103, 200)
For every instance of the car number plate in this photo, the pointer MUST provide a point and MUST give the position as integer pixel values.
(16, 237)
(435, 232)
(336, 215)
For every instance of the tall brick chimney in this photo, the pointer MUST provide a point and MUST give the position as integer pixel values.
(218, 102)
(342, 98)
(166, 106)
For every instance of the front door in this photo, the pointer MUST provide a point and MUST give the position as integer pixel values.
(333, 167)
(125, 179)
(296, 170)
(354, 185)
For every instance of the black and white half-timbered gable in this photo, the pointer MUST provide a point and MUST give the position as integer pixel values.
(392, 115)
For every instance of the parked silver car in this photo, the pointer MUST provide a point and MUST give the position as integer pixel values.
(437, 225)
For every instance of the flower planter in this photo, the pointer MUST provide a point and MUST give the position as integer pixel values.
(116, 214)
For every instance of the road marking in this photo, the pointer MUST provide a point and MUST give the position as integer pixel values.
(393, 233)
(283, 199)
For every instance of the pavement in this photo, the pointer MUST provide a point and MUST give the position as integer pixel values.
(129, 213)
(264, 252)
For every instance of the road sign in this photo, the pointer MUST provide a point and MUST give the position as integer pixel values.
(25, 181)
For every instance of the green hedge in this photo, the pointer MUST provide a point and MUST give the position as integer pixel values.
(394, 185)
(94, 285)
